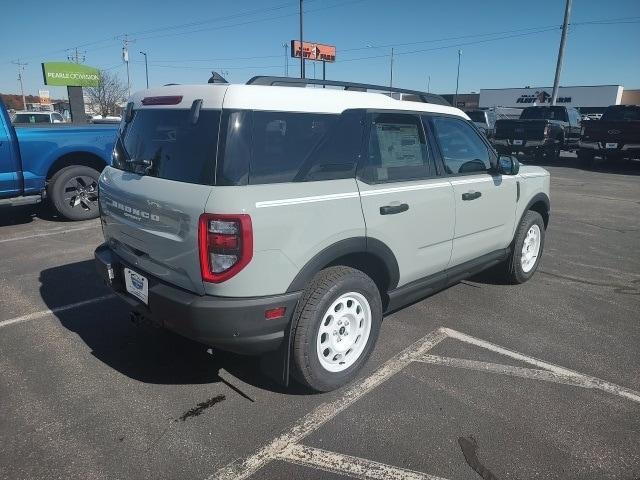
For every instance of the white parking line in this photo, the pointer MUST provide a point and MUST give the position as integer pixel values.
(585, 381)
(316, 418)
(47, 234)
(531, 373)
(44, 313)
(287, 447)
(347, 465)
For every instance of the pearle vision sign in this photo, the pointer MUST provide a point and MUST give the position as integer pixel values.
(70, 74)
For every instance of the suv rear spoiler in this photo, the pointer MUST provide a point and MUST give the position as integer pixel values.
(413, 95)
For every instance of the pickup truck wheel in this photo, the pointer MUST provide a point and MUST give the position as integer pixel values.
(527, 249)
(585, 158)
(73, 192)
(553, 152)
(336, 326)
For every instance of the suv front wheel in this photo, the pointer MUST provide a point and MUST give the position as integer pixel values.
(336, 327)
(527, 248)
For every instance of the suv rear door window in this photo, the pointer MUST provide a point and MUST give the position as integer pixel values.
(270, 147)
(166, 144)
(463, 151)
(282, 142)
(397, 149)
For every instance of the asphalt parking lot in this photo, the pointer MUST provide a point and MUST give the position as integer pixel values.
(482, 380)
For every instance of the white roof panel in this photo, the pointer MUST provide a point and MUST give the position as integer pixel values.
(287, 99)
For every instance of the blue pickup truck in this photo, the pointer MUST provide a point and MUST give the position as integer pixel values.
(59, 163)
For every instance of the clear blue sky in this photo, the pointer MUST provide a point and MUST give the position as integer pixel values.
(226, 35)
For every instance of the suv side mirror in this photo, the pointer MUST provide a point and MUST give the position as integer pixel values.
(508, 165)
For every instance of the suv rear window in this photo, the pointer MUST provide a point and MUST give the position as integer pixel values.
(167, 144)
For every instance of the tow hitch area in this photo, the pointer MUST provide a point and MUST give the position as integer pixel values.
(141, 320)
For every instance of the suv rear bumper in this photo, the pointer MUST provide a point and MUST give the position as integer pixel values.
(234, 324)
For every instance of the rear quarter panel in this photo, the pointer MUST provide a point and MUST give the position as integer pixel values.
(40, 147)
(292, 222)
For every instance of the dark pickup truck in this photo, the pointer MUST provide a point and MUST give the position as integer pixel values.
(615, 136)
(543, 131)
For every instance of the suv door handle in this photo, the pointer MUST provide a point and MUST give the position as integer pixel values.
(393, 209)
(471, 195)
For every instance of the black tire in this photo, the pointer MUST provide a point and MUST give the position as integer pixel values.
(326, 287)
(513, 271)
(73, 192)
(552, 152)
(586, 158)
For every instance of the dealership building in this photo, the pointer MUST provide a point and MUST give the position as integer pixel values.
(587, 99)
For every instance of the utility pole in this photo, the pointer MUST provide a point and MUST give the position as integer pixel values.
(20, 71)
(146, 67)
(455, 97)
(563, 40)
(285, 46)
(391, 70)
(76, 56)
(428, 83)
(125, 59)
(301, 49)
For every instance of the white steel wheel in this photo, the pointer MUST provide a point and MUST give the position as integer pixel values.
(530, 248)
(344, 332)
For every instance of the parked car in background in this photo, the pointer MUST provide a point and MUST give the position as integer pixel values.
(310, 215)
(105, 119)
(542, 131)
(485, 118)
(615, 136)
(26, 117)
(61, 163)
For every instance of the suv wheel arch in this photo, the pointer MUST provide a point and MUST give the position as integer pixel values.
(370, 255)
(538, 203)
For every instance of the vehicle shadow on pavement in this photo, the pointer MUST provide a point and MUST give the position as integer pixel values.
(21, 215)
(141, 352)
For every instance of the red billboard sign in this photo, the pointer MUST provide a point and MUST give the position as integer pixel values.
(314, 51)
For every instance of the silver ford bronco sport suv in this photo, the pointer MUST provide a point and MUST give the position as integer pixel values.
(267, 218)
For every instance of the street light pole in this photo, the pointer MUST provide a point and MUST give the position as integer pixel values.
(286, 60)
(563, 40)
(455, 98)
(301, 49)
(146, 67)
(20, 71)
(391, 70)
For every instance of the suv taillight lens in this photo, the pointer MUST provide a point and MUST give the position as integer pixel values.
(225, 244)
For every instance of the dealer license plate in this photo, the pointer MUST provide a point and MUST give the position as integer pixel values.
(517, 142)
(137, 285)
(611, 145)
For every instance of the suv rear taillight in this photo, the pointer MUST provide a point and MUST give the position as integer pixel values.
(226, 245)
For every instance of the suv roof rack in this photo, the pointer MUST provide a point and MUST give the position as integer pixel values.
(358, 87)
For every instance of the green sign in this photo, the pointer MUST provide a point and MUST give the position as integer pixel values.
(70, 74)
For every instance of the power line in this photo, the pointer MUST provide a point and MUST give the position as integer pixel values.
(249, 22)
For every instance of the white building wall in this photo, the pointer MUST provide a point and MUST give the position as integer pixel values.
(588, 96)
